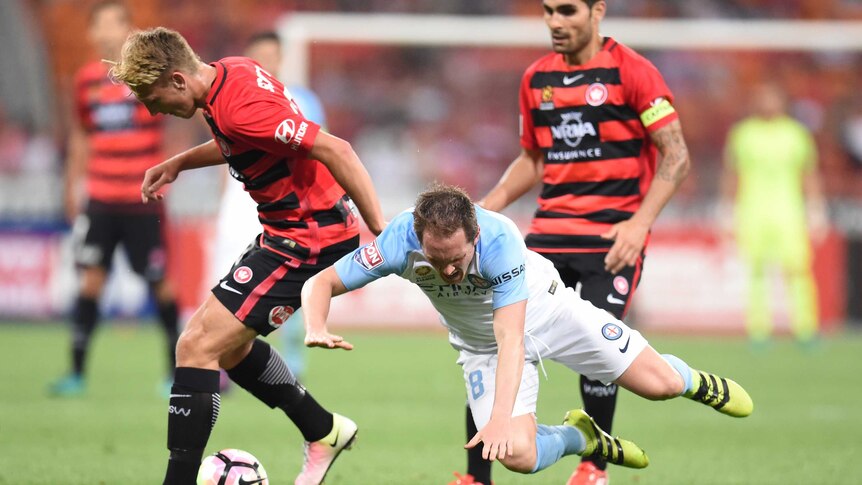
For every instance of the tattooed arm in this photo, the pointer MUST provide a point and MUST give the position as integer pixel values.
(673, 166)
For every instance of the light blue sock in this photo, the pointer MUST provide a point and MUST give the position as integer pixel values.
(555, 442)
(681, 367)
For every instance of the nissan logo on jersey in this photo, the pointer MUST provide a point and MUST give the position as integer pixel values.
(288, 134)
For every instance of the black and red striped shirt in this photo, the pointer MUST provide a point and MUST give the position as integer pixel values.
(124, 139)
(266, 141)
(592, 123)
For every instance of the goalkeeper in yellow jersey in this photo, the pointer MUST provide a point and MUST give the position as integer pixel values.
(770, 164)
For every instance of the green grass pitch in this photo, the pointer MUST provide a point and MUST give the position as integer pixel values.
(406, 394)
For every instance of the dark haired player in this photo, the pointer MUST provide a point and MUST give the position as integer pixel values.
(594, 116)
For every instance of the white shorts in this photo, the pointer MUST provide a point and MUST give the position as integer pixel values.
(480, 372)
(586, 339)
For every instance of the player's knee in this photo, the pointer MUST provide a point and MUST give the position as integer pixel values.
(520, 462)
(92, 282)
(193, 347)
(186, 347)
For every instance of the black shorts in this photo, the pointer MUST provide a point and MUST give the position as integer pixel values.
(598, 286)
(139, 228)
(263, 287)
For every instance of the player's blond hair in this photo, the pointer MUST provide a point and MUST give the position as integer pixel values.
(147, 54)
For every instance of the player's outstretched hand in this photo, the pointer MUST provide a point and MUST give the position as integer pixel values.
(326, 340)
(497, 439)
(628, 237)
(155, 178)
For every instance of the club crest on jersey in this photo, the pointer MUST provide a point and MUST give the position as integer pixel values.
(279, 314)
(547, 103)
(478, 281)
(287, 133)
(243, 274)
(596, 94)
(621, 284)
(612, 331)
(573, 129)
(369, 257)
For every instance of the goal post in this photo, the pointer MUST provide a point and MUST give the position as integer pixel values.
(301, 30)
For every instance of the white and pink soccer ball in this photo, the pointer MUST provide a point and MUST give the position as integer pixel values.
(231, 467)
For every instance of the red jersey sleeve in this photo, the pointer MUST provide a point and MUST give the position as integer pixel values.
(525, 121)
(645, 87)
(268, 121)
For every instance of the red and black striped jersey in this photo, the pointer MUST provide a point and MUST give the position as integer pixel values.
(266, 141)
(124, 139)
(592, 123)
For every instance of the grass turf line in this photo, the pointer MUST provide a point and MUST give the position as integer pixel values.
(406, 393)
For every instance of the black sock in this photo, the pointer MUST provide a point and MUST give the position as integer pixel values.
(264, 374)
(193, 410)
(168, 315)
(477, 466)
(600, 401)
(84, 319)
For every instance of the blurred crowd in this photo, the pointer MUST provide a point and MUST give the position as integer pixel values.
(418, 114)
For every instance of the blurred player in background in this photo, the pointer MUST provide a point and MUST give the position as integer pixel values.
(113, 141)
(594, 114)
(237, 224)
(774, 159)
(295, 173)
(507, 310)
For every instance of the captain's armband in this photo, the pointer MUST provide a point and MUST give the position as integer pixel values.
(660, 108)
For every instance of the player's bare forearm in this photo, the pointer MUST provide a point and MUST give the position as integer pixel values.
(203, 155)
(523, 173)
(350, 173)
(672, 169)
(316, 295)
(509, 333)
(629, 236)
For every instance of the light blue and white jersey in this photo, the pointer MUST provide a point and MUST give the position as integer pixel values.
(503, 271)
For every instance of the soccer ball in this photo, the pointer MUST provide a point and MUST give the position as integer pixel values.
(231, 467)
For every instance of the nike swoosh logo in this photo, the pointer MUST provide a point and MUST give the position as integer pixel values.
(569, 80)
(626, 346)
(335, 441)
(180, 395)
(615, 300)
(225, 286)
(242, 481)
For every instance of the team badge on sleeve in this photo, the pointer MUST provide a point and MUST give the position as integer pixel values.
(369, 257)
(612, 331)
